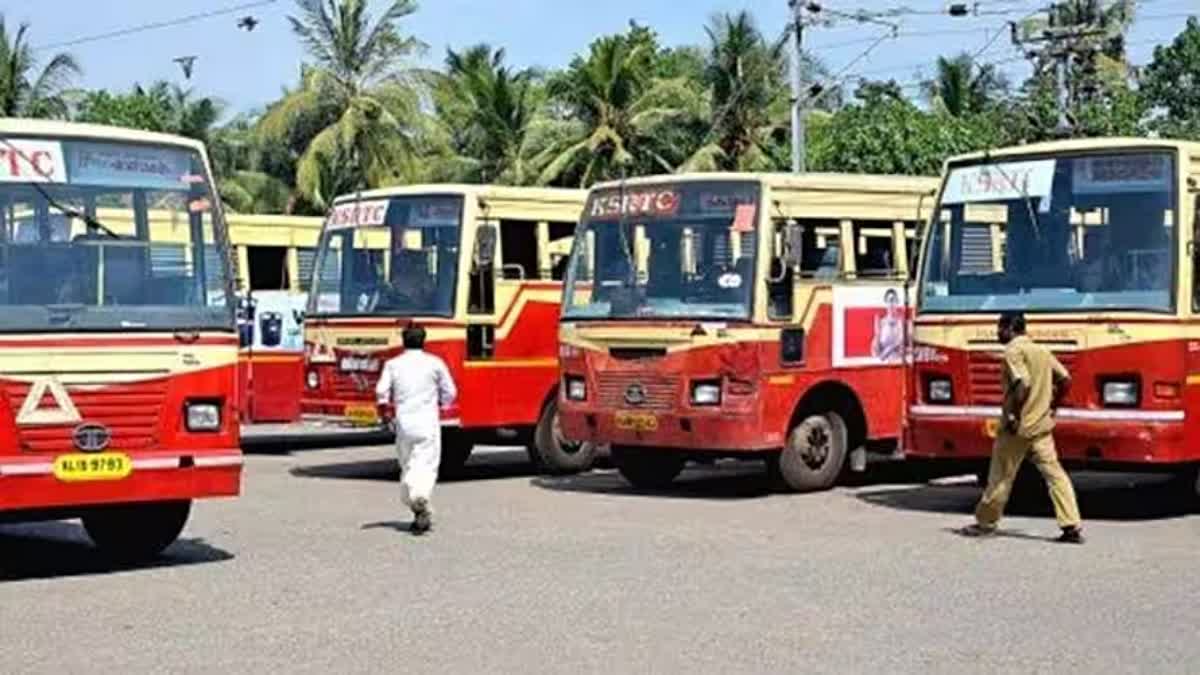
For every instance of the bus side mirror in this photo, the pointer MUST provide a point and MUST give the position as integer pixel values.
(793, 244)
(485, 249)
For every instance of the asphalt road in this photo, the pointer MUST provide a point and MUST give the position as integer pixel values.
(310, 571)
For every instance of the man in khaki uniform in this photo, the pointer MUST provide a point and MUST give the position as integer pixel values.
(1033, 381)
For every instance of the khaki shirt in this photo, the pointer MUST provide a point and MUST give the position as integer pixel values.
(1028, 362)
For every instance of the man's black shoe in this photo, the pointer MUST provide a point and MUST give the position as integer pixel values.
(1071, 535)
(423, 519)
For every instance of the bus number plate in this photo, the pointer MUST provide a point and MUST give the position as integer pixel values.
(637, 421)
(362, 415)
(77, 468)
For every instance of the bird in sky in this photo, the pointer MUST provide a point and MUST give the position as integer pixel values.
(186, 63)
(247, 23)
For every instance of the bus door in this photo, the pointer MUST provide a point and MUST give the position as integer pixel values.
(477, 390)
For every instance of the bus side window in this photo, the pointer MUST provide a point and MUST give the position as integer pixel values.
(1196, 256)
(518, 249)
(561, 237)
(873, 251)
(781, 274)
(481, 296)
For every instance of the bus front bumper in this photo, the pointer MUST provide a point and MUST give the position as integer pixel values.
(1081, 436)
(28, 482)
(714, 431)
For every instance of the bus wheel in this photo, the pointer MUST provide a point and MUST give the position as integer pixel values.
(815, 453)
(552, 452)
(136, 532)
(647, 469)
(456, 450)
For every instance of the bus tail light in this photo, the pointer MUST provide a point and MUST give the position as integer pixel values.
(1169, 391)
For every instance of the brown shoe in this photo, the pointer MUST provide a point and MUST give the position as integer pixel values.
(977, 531)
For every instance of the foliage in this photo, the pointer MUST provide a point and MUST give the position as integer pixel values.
(350, 122)
(963, 87)
(26, 91)
(1171, 84)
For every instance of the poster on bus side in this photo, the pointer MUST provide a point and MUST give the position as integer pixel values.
(278, 324)
(868, 325)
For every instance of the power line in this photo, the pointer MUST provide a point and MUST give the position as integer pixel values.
(155, 25)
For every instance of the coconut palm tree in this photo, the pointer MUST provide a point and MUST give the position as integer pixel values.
(746, 77)
(618, 114)
(962, 87)
(26, 91)
(487, 108)
(356, 104)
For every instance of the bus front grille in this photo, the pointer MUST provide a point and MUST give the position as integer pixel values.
(636, 390)
(985, 387)
(132, 412)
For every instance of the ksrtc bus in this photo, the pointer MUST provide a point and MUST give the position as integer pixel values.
(740, 315)
(480, 268)
(1095, 241)
(118, 357)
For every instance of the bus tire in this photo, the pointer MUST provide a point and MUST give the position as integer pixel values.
(136, 532)
(456, 450)
(554, 454)
(647, 469)
(815, 453)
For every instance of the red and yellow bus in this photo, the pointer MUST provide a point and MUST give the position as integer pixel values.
(740, 315)
(1095, 241)
(118, 357)
(480, 268)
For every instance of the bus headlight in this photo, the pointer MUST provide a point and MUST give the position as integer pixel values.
(576, 388)
(313, 380)
(939, 390)
(706, 392)
(1120, 393)
(203, 416)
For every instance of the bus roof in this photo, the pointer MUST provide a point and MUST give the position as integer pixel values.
(15, 126)
(815, 181)
(498, 192)
(1082, 145)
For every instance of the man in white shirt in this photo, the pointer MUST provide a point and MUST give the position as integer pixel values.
(418, 385)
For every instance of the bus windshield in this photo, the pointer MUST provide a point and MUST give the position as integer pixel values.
(1055, 234)
(393, 257)
(668, 251)
(99, 235)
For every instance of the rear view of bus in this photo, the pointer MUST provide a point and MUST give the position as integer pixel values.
(1094, 242)
(117, 348)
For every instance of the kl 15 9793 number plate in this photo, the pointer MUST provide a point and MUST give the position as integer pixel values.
(637, 421)
(78, 468)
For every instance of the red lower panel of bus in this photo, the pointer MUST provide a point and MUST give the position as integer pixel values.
(30, 483)
(271, 386)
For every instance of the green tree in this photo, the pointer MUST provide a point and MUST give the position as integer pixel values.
(487, 108)
(1171, 84)
(963, 87)
(750, 104)
(244, 165)
(618, 117)
(352, 118)
(133, 110)
(26, 90)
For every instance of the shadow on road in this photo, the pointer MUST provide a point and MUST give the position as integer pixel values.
(1101, 497)
(488, 465)
(61, 549)
(285, 445)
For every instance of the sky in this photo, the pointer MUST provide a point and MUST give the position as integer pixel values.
(247, 70)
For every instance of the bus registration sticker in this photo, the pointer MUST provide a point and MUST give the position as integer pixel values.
(78, 468)
(636, 421)
(362, 415)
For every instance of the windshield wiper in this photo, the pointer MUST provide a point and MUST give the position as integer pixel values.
(88, 220)
(1033, 219)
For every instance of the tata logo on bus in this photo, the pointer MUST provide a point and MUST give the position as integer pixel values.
(663, 202)
(24, 161)
(358, 214)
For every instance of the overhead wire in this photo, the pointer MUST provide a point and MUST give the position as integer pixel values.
(156, 25)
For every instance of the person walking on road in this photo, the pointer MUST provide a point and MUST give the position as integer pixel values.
(1034, 380)
(418, 385)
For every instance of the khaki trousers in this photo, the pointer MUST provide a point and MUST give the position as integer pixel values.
(1008, 453)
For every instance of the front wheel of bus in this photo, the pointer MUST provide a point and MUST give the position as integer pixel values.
(552, 452)
(456, 450)
(136, 532)
(815, 453)
(647, 470)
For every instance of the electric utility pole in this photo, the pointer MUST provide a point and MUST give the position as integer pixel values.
(798, 95)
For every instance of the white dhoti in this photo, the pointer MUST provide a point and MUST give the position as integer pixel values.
(419, 447)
